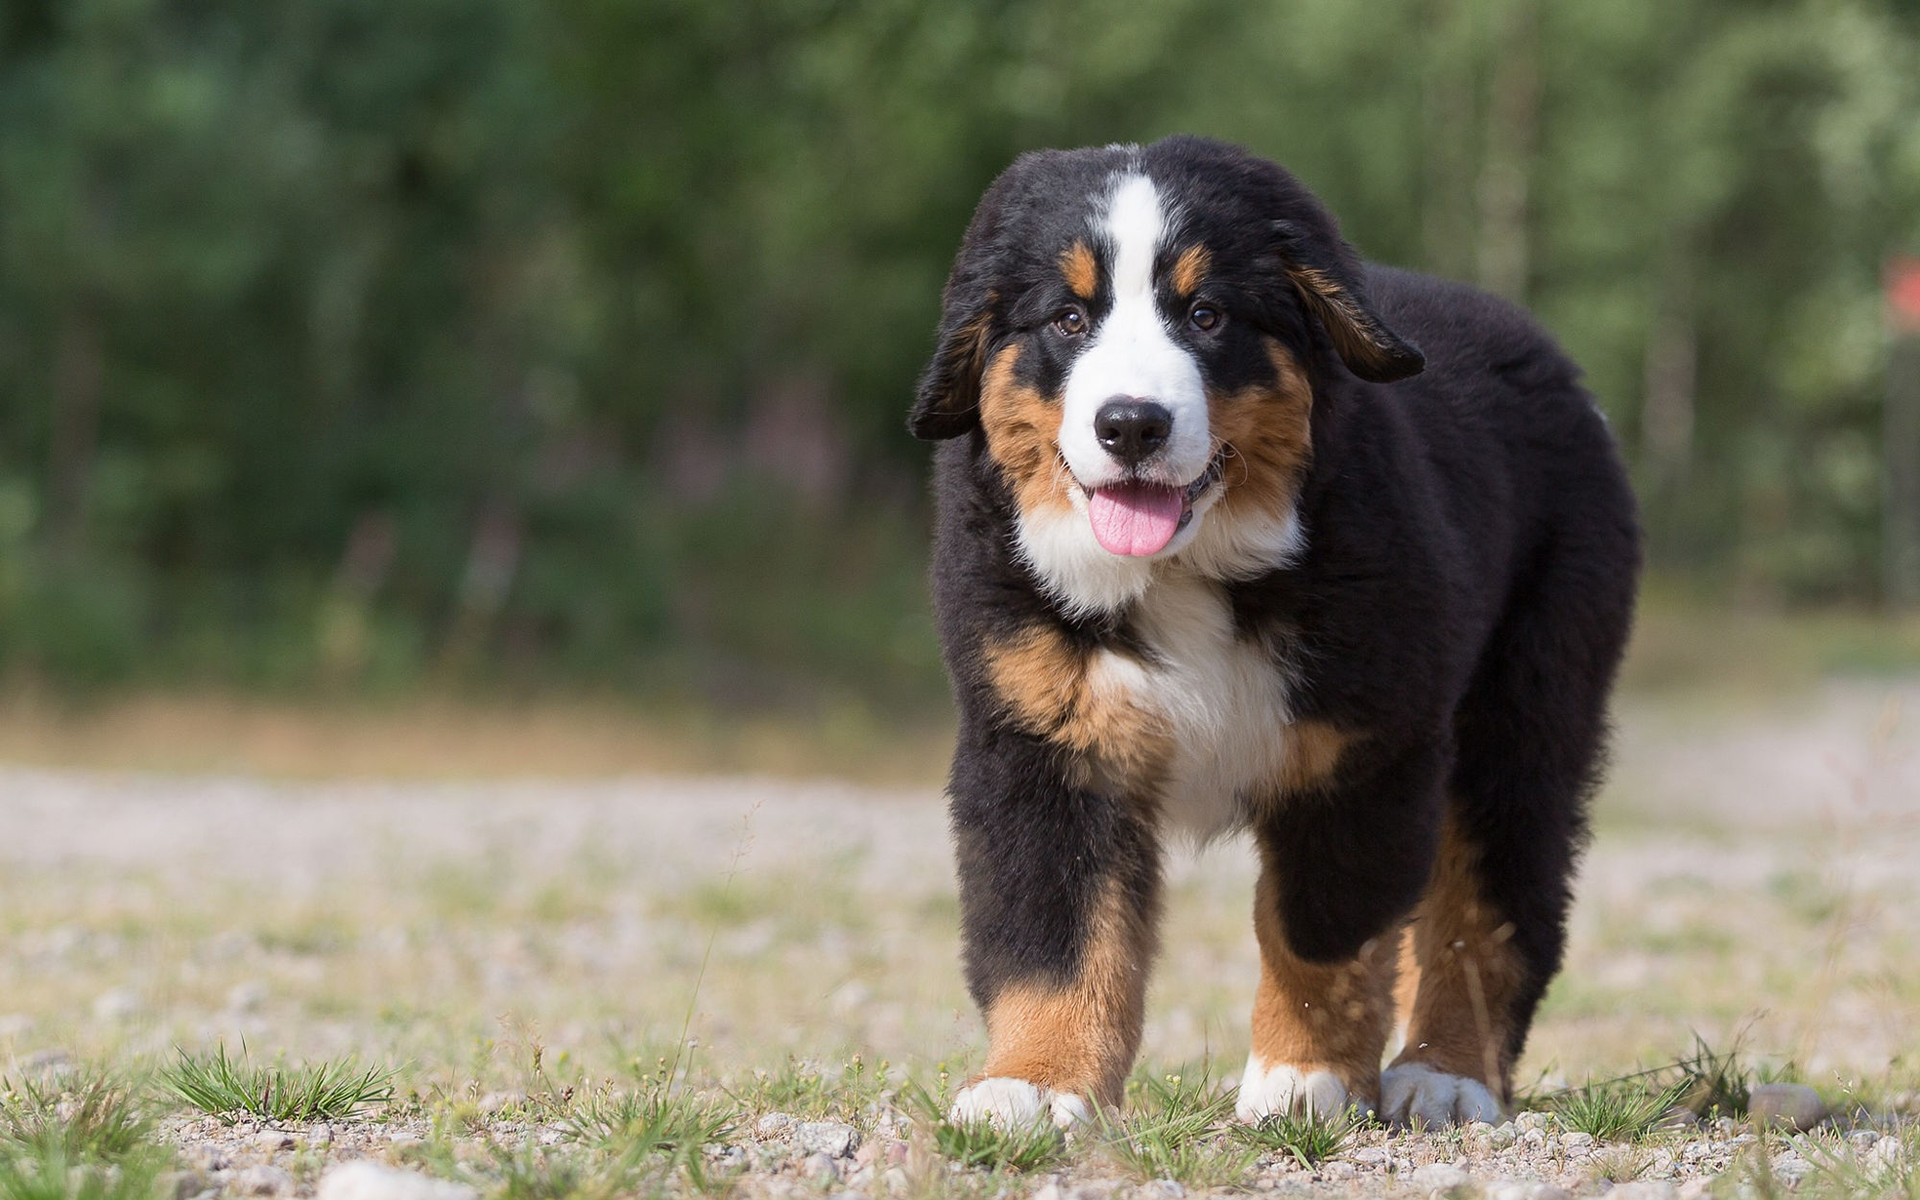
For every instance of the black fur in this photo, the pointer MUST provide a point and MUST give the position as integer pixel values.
(1463, 598)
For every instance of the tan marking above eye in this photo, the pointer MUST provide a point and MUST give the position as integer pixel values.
(1190, 269)
(1081, 271)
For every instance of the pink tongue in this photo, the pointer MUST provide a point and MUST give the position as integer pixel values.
(1135, 518)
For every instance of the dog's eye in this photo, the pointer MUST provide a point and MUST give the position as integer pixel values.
(1203, 317)
(1070, 323)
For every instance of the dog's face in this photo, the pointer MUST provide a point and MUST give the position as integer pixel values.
(1130, 329)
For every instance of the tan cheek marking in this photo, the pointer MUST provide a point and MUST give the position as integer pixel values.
(1321, 1016)
(1313, 752)
(1081, 272)
(1469, 971)
(1269, 430)
(1190, 269)
(1082, 1037)
(1021, 427)
(1059, 691)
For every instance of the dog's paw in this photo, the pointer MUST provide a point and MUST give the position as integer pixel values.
(1008, 1103)
(1286, 1090)
(1412, 1091)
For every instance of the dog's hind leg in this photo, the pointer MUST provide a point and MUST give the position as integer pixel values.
(1489, 934)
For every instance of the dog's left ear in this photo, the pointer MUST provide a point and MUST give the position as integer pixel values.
(1329, 284)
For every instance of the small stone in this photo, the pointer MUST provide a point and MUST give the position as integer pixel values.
(820, 1167)
(825, 1137)
(1439, 1177)
(1786, 1105)
(1371, 1155)
(1644, 1189)
(273, 1139)
(1527, 1122)
(263, 1181)
(1791, 1167)
(1046, 1191)
(365, 1180)
(179, 1185)
(1164, 1189)
(320, 1135)
(1502, 1136)
(1576, 1138)
(773, 1125)
(1338, 1170)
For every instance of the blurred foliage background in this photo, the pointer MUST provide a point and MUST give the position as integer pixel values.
(364, 345)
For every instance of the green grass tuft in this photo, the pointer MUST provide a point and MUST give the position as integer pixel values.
(90, 1118)
(1841, 1175)
(228, 1088)
(1307, 1140)
(1171, 1133)
(983, 1145)
(812, 1092)
(1717, 1084)
(87, 1140)
(1615, 1110)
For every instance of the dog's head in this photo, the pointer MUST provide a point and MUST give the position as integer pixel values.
(1132, 329)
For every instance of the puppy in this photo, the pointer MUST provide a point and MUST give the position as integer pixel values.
(1238, 532)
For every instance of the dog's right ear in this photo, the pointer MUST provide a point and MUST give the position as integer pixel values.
(947, 402)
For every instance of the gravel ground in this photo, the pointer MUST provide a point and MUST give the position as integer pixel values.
(1754, 879)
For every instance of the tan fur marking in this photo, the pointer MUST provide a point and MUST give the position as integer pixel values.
(1056, 690)
(1313, 1016)
(1352, 330)
(1268, 432)
(1461, 1015)
(1313, 752)
(1080, 1038)
(1081, 271)
(1190, 269)
(1021, 428)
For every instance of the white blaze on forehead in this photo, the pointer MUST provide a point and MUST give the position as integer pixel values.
(1133, 352)
(1135, 226)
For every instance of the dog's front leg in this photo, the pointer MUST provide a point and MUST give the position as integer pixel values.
(1341, 864)
(1059, 894)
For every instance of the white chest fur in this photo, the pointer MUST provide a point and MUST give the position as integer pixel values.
(1224, 701)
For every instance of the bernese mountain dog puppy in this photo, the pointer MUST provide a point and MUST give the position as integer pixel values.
(1236, 531)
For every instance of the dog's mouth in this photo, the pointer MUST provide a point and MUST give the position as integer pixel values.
(1139, 518)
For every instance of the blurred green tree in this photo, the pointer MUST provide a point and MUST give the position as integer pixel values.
(349, 342)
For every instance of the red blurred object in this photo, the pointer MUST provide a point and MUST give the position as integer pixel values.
(1903, 294)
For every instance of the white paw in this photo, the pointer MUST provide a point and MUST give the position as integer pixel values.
(1288, 1091)
(1412, 1091)
(1012, 1103)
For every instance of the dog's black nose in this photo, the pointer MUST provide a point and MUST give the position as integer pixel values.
(1131, 429)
